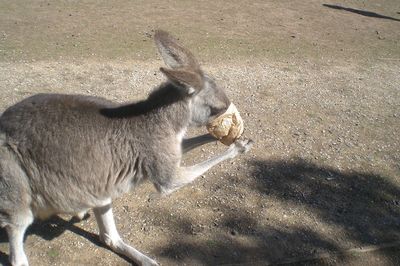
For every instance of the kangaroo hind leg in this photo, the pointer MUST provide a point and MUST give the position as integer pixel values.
(16, 229)
(109, 236)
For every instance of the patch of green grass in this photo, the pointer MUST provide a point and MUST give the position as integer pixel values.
(53, 253)
(212, 244)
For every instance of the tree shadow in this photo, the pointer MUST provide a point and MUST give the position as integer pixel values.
(365, 204)
(365, 207)
(361, 12)
(231, 245)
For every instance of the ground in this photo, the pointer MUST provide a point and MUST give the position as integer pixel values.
(317, 83)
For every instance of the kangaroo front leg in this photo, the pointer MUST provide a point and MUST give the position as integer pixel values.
(109, 235)
(192, 143)
(188, 174)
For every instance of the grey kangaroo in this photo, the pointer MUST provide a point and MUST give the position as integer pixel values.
(72, 153)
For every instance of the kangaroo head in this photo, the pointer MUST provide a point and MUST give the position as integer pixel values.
(207, 99)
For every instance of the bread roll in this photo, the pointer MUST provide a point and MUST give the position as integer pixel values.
(227, 127)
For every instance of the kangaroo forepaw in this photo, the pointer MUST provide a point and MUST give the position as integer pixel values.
(240, 146)
(84, 215)
(244, 145)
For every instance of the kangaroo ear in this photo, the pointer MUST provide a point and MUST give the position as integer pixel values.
(174, 55)
(191, 81)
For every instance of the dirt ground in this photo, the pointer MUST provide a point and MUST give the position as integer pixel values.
(318, 85)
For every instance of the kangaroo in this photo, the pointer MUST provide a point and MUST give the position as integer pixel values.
(72, 153)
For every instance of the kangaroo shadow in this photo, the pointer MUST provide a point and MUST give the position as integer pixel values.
(53, 228)
(48, 230)
(365, 206)
(361, 12)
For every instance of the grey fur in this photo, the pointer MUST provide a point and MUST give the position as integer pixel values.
(71, 153)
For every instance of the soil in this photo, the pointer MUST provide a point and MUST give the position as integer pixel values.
(317, 85)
